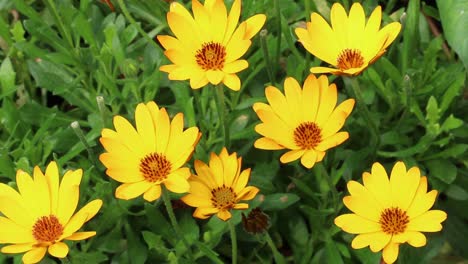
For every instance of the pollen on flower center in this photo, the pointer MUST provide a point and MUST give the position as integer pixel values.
(155, 167)
(47, 229)
(223, 197)
(349, 58)
(307, 135)
(393, 221)
(211, 56)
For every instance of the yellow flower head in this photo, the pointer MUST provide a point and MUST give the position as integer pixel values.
(219, 187)
(38, 217)
(150, 155)
(207, 46)
(387, 213)
(305, 121)
(350, 44)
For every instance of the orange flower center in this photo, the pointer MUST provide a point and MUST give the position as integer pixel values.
(211, 56)
(155, 167)
(349, 58)
(223, 197)
(393, 221)
(47, 229)
(307, 135)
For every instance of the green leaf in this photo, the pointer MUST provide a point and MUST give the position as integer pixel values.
(454, 18)
(137, 252)
(442, 169)
(457, 193)
(332, 253)
(155, 242)
(279, 201)
(7, 78)
(451, 123)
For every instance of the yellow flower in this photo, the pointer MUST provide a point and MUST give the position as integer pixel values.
(219, 187)
(388, 213)
(38, 217)
(207, 46)
(303, 120)
(149, 156)
(350, 45)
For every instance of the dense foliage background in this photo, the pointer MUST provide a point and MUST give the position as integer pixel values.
(57, 56)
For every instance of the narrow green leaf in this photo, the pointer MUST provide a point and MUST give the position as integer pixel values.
(7, 78)
(442, 169)
(279, 201)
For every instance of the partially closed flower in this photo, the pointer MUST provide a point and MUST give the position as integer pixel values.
(42, 214)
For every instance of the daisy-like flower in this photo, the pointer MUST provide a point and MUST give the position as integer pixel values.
(219, 187)
(207, 46)
(350, 45)
(305, 121)
(150, 155)
(389, 212)
(41, 215)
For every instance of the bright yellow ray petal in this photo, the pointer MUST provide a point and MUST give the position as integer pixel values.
(224, 215)
(235, 66)
(321, 39)
(81, 235)
(52, 179)
(422, 201)
(364, 205)
(169, 42)
(68, 195)
(162, 125)
(390, 253)
(128, 135)
(183, 29)
(145, 127)
(428, 221)
(202, 19)
(376, 240)
(356, 224)
(177, 183)
(204, 212)
(293, 92)
(82, 216)
(153, 193)
(414, 238)
(339, 23)
(11, 232)
(232, 20)
(180, 57)
(230, 170)
(132, 190)
(310, 98)
(12, 205)
(328, 98)
(268, 144)
(279, 105)
(248, 193)
(404, 184)
(41, 192)
(205, 174)
(332, 141)
(215, 76)
(309, 158)
(325, 70)
(275, 128)
(58, 250)
(333, 125)
(195, 200)
(291, 155)
(379, 185)
(253, 25)
(130, 174)
(241, 180)
(17, 248)
(218, 21)
(217, 168)
(232, 81)
(356, 25)
(34, 255)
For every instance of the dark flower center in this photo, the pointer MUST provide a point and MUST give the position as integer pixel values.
(393, 221)
(349, 58)
(47, 229)
(223, 197)
(211, 56)
(307, 135)
(155, 167)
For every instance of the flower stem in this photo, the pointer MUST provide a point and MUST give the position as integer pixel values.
(266, 55)
(221, 108)
(172, 218)
(279, 259)
(232, 230)
(278, 40)
(375, 137)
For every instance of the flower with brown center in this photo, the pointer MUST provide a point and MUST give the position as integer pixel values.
(350, 45)
(305, 121)
(42, 214)
(208, 44)
(152, 154)
(219, 187)
(389, 212)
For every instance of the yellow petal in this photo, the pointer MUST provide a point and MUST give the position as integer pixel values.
(82, 216)
(58, 249)
(404, 184)
(69, 194)
(241, 206)
(232, 81)
(224, 215)
(379, 185)
(363, 205)
(169, 42)
(275, 128)
(162, 128)
(34, 255)
(11, 232)
(356, 224)
(13, 207)
(145, 127)
(204, 212)
(390, 253)
(310, 98)
(325, 70)
(291, 155)
(279, 105)
(309, 158)
(81, 235)
(183, 29)
(195, 200)
(52, 179)
(377, 241)
(248, 193)
(153, 193)
(218, 21)
(17, 248)
(215, 76)
(235, 66)
(414, 238)
(216, 166)
(241, 180)
(356, 25)
(332, 141)
(430, 221)
(177, 183)
(328, 98)
(422, 201)
(205, 175)
(132, 190)
(266, 143)
(253, 25)
(128, 135)
(339, 23)
(334, 122)
(232, 20)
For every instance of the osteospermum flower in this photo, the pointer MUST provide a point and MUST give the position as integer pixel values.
(387, 213)
(150, 155)
(219, 187)
(305, 121)
(41, 215)
(350, 45)
(207, 46)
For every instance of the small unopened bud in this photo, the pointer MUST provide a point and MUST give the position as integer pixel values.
(77, 129)
(256, 222)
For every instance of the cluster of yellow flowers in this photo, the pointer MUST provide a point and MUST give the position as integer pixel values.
(151, 157)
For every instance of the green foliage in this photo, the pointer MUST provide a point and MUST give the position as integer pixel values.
(58, 56)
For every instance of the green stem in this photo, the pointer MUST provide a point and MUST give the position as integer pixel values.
(278, 40)
(60, 25)
(77, 129)
(365, 112)
(331, 185)
(279, 258)
(127, 15)
(266, 55)
(221, 108)
(172, 218)
(232, 230)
